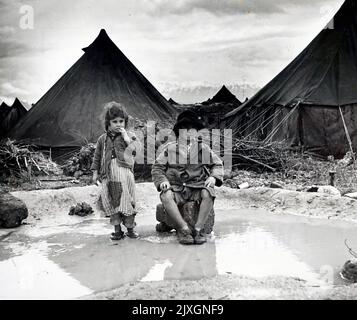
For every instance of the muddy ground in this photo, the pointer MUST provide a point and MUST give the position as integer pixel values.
(156, 267)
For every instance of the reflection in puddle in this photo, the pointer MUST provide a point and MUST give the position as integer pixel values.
(157, 272)
(257, 253)
(33, 276)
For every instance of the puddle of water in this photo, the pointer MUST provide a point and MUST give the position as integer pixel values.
(262, 244)
(257, 253)
(157, 272)
(83, 259)
(33, 276)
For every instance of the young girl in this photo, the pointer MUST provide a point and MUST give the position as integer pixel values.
(113, 165)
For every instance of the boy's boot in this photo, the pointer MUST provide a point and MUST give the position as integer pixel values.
(200, 237)
(132, 234)
(185, 236)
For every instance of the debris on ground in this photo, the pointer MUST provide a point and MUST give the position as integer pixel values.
(259, 156)
(81, 209)
(276, 185)
(351, 195)
(80, 163)
(347, 160)
(20, 161)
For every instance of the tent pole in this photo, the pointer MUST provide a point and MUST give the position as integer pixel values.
(347, 134)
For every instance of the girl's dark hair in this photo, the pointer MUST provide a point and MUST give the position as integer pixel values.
(114, 110)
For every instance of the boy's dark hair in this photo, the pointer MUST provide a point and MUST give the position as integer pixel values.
(114, 110)
(188, 120)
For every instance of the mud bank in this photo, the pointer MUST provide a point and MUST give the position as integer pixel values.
(228, 287)
(54, 205)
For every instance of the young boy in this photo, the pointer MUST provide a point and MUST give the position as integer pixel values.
(190, 180)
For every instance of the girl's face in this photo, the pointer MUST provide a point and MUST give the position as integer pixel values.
(116, 124)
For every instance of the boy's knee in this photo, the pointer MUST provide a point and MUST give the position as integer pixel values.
(205, 194)
(166, 196)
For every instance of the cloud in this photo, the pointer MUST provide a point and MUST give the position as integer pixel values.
(11, 48)
(6, 30)
(9, 89)
(183, 40)
(225, 7)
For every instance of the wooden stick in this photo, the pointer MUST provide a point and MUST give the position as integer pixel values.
(258, 162)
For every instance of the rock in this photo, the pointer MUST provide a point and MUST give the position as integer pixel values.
(276, 185)
(351, 195)
(349, 271)
(81, 209)
(332, 191)
(312, 189)
(12, 211)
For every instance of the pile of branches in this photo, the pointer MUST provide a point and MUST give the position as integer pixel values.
(21, 161)
(259, 156)
(80, 163)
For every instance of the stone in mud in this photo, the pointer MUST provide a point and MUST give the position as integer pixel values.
(329, 190)
(12, 211)
(189, 212)
(276, 185)
(81, 209)
(349, 271)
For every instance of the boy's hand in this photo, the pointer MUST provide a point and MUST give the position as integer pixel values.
(210, 182)
(95, 177)
(165, 185)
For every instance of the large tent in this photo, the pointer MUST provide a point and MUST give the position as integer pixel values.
(4, 110)
(313, 101)
(69, 114)
(223, 96)
(16, 112)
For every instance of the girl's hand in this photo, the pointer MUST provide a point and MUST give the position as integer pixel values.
(210, 182)
(125, 135)
(165, 185)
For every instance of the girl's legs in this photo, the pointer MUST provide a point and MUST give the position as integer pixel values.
(129, 223)
(118, 233)
(117, 229)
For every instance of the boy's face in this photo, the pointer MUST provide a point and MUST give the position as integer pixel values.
(184, 134)
(116, 124)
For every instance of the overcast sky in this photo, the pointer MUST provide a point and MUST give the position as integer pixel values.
(172, 42)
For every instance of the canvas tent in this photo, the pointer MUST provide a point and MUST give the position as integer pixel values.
(172, 101)
(68, 115)
(17, 111)
(313, 101)
(4, 110)
(223, 96)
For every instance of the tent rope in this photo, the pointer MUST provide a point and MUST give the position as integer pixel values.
(264, 124)
(347, 134)
(272, 134)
